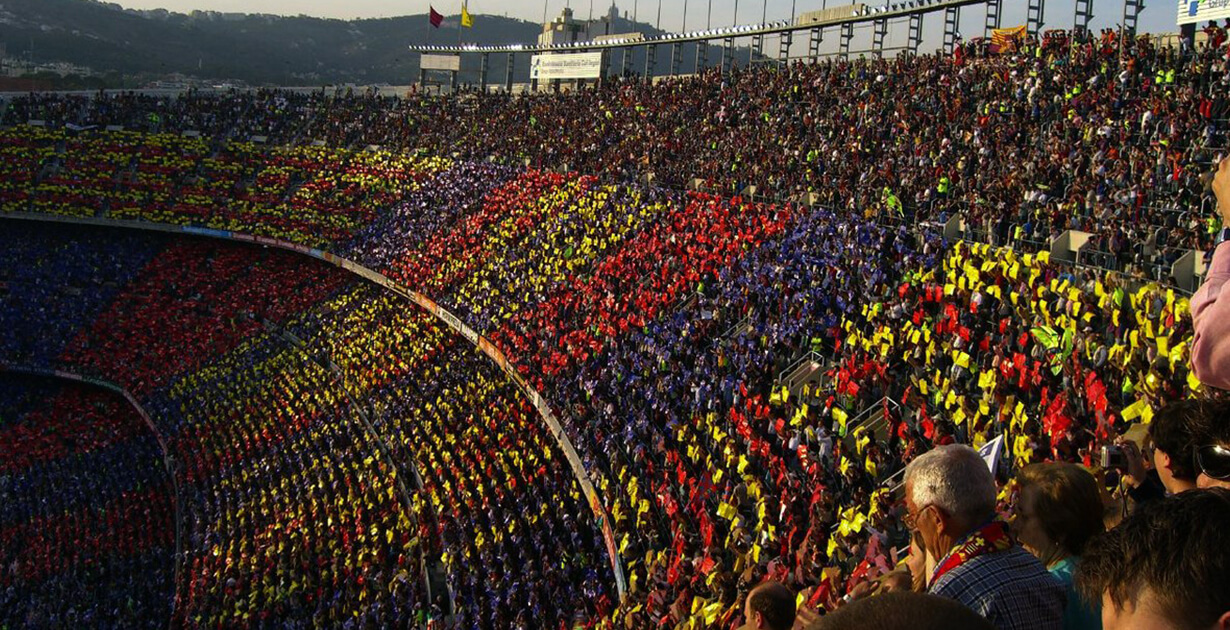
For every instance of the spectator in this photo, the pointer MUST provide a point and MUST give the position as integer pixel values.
(950, 499)
(1213, 456)
(902, 611)
(1210, 306)
(1176, 431)
(1058, 510)
(1165, 566)
(769, 606)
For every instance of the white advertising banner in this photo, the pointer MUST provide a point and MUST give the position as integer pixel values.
(440, 62)
(1203, 10)
(564, 66)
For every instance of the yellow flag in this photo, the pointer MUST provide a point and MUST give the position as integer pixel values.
(840, 416)
(1133, 411)
(467, 20)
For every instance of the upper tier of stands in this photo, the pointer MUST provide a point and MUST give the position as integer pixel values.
(1107, 139)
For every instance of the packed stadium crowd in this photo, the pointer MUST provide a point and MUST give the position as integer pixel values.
(1083, 133)
(343, 460)
(81, 549)
(292, 512)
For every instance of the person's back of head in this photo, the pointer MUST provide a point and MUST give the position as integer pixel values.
(1177, 430)
(770, 606)
(903, 610)
(956, 479)
(1165, 566)
(1213, 447)
(1059, 509)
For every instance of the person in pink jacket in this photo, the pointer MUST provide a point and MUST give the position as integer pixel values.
(1211, 304)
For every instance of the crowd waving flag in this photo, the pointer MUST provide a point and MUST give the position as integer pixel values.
(1007, 40)
(467, 20)
(436, 18)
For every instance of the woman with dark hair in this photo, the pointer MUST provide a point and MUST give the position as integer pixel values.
(1058, 510)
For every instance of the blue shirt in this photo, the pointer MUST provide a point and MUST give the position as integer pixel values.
(1010, 588)
(1079, 614)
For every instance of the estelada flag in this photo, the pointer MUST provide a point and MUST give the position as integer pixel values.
(1006, 40)
(436, 18)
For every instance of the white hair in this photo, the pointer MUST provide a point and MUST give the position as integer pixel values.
(955, 479)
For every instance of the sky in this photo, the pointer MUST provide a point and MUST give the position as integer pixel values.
(1158, 16)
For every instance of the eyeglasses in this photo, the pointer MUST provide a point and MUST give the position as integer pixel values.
(911, 519)
(1214, 461)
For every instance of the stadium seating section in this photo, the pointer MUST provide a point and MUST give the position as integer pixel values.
(743, 374)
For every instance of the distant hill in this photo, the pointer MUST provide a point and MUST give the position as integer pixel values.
(260, 49)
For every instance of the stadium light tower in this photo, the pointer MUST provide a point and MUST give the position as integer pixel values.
(1131, 14)
(994, 9)
(787, 38)
(677, 49)
(702, 47)
(758, 41)
(952, 20)
(1034, 17)
(1083, 15)
(728, 44)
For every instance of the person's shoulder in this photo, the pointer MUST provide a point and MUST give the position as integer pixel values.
(1010, 566)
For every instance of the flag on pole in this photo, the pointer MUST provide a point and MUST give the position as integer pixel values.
(467, 20)
(436, 18)
(990, 452)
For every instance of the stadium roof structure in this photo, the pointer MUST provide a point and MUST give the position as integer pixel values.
(857, 14)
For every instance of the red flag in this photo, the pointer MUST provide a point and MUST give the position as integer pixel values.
(436, 18)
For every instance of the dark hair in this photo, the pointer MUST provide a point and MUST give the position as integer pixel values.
(775, 602)
(1174, 550)
(1177, 430)
(1213, 428)
(901, 610)
(1069, 503)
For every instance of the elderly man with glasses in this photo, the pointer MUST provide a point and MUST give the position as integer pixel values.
(950, 502)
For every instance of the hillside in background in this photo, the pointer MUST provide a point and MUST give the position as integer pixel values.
(259, 49)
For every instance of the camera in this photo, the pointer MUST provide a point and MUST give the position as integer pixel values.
(1114, 457)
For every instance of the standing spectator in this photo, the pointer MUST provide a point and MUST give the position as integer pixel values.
(1176, 431)
(1165, 566)
(950, 499)
(1059, 509)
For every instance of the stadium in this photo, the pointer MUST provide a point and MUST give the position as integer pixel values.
(627, 351)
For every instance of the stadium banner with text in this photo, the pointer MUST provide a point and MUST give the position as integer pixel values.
(452, 63)
(1203, 10)
(559, 66)
(489, 349)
